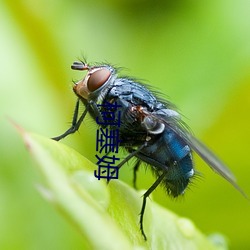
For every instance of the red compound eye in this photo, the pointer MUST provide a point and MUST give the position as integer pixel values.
(97, 79)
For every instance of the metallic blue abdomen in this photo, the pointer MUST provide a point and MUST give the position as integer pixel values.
(170, 154)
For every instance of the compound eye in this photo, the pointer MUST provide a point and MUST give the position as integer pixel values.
(97, 79)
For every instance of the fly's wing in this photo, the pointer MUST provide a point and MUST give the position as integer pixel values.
(208, 156)
(175, 124)
(212, 160)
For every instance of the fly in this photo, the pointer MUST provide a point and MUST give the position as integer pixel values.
(151, 130)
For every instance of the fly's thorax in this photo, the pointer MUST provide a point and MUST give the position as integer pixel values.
(95, 84)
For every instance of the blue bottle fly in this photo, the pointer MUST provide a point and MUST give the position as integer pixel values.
(151, 130)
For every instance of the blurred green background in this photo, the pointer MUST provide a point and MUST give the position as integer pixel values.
(196, 52)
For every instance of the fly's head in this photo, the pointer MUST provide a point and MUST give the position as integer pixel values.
(93, 85)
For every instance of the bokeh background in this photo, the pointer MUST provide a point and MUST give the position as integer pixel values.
(195, 52)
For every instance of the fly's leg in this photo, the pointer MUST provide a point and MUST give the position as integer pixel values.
(132, 154)
(97, 112)
(136, 167)
(75, 123)
(145, 196)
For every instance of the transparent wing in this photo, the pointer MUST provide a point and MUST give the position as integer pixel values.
(207, 155)
(175, 124)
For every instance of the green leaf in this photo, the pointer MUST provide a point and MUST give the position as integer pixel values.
(107, 215)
